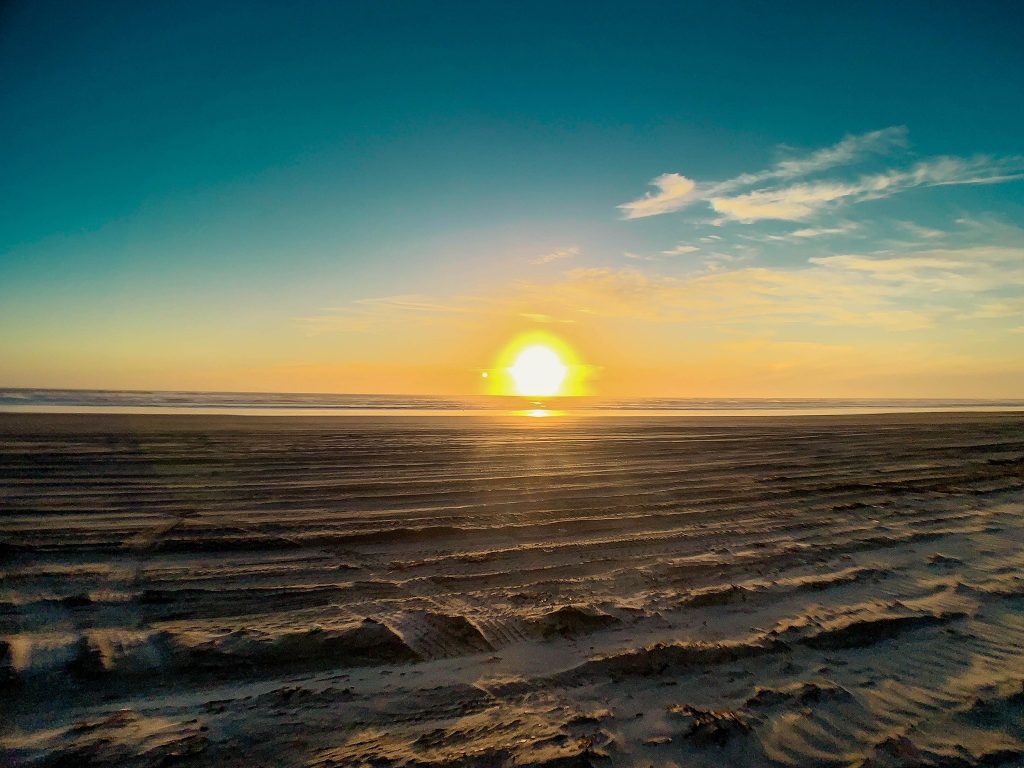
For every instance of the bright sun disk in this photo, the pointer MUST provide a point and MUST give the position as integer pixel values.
(538, 371)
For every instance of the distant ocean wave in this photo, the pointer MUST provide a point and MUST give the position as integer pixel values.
(277, 403)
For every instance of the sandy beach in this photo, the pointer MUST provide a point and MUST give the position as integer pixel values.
(484, 592)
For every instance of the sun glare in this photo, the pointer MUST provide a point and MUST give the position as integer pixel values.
(537, 364)
(538, 372)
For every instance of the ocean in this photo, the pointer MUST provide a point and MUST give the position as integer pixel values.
(313, 404)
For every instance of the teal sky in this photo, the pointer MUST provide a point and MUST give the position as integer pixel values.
(737, 198)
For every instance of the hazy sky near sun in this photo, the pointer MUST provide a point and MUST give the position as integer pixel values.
(731, 199)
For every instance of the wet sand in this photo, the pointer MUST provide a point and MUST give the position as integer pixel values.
(194, 590)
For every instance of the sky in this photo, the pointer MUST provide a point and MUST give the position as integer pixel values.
(738, 199)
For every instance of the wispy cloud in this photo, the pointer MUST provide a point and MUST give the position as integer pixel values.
(801, 201)
(557, 255)
(674, 192)
(899, 268)
(965, 271)
(737, 298)
(760, 196)
(678, 250)
(851, 149)
(787, 203)
(681, 249)
(996, 310)
(926, 233)
(822, 231)
(904, 293)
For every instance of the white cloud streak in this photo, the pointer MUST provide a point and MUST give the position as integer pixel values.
(681, 249)
(803, 200)
(851, 149)
(822, 231)
(674, 192)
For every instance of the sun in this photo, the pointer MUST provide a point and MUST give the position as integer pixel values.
(538, 371)
(537, 364)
